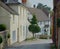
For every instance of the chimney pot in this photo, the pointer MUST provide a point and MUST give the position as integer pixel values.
(24, 1)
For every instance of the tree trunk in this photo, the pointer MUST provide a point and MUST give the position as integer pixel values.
(0, 46)
(33, 35)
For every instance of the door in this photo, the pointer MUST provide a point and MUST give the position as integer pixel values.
(14, 37)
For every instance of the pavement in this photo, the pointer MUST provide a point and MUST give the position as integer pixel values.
(32, 44)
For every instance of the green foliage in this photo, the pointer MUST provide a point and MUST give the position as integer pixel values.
(1, 40)
(58, 22)
(53, 46)
(2, 27)
(33, 20)
(29, 38)
(34, 28)
(45, 8)
(8, 35)
(40, 5)
(43, 37)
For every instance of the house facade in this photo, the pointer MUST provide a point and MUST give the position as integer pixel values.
(43, 20)
(16, 20)
(22, 20)
(10, 19)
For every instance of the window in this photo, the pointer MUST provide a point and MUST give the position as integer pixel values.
(14, 35)
(24, 31)
(40, 22)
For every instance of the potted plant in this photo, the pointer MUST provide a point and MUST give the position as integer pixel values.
(1, 40)
(2, 27)
(8, 37)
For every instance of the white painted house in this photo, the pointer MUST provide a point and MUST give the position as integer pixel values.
(43, 20)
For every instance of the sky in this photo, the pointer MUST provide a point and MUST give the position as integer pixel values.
(49, 3)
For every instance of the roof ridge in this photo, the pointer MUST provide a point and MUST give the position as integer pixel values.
(8, 8)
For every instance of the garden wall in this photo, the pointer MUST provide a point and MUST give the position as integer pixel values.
(4, 43)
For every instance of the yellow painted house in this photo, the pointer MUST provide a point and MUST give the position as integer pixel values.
(15, 16)
(10, 18)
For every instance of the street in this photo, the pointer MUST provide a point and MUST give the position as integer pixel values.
(35, 44)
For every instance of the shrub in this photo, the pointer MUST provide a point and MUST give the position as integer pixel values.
(2, 27)
(1, 39)
(43, 37)
(30, 38)
(53, 46)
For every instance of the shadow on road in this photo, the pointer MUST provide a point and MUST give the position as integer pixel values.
(36, 44)
(32, 46)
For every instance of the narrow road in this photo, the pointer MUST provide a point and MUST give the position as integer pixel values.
(35, 44)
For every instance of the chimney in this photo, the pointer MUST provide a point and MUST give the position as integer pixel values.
(24, 1)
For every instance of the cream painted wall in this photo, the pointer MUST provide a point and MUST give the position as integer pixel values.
(7, 19)
(29, 34)
(18, 22)
(22, 23)
(22, 20)
(13, 27)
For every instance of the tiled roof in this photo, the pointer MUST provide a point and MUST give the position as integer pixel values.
(40, 15)
(12, 1)
(8, 8)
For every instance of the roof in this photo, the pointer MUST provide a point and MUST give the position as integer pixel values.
(40, 15)
(8, 8)
(12, 1)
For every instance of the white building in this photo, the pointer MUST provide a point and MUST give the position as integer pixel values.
(43, 20)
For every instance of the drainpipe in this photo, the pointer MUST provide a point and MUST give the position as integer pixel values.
(18, 31)
(54, 24)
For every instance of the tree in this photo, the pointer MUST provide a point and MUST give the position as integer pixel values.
(1, 40)
(45, 8)
(33, 27)
(40, 6)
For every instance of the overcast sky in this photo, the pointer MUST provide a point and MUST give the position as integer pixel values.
(45, 2)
